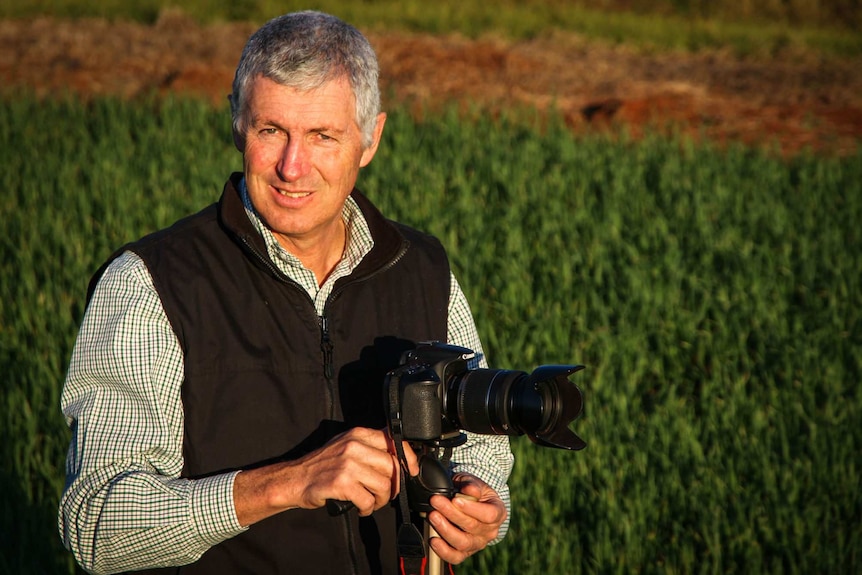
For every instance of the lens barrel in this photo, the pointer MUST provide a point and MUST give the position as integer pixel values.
(506, 402)
(481, 399)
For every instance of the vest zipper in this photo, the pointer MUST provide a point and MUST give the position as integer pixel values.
(326, 347)
(326, 344)
(328, 370)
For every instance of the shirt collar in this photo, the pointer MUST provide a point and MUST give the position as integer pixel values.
(359, 243)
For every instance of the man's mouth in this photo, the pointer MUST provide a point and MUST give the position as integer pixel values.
(294, 195)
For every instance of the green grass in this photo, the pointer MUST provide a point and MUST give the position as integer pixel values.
(746, 28)
(714, 296)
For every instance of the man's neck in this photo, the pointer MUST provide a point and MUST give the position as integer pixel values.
(321, 256)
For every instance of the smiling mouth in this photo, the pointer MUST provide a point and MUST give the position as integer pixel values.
(295, 195)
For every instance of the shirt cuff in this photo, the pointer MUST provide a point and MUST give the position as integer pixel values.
(213, 508)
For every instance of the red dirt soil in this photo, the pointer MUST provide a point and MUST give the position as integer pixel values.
(794, 103)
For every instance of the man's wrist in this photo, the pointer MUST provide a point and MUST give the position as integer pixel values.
(213, 508)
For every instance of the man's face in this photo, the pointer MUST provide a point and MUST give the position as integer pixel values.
(302, 152)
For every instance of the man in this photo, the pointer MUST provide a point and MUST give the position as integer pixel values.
(227, 378)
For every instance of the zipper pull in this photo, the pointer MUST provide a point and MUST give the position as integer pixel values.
(326, 347)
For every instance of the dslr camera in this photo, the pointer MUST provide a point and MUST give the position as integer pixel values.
(432, 396)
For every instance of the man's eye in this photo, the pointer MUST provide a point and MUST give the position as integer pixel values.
(269, 131)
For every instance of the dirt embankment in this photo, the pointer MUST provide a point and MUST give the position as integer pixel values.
(798, 103)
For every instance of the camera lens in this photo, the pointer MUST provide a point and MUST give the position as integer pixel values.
(506, 402)
(481, 399)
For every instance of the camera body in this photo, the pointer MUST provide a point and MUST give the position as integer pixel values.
(421, 385)
(433, 395)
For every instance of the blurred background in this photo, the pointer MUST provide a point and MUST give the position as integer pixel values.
(667, 192)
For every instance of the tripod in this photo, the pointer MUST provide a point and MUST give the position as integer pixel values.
(435, 565)
(417, 557)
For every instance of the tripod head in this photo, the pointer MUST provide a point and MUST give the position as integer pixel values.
(433, 479)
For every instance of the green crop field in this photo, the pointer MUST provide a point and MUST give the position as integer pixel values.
(714, 296)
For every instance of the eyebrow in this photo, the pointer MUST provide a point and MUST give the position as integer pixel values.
(260, 121)
(328, 129)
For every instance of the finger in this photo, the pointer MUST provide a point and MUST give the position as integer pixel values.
(412, 460)
(468, 512)
(376, 438)
(410, 456)
(453, 521)
(471, 485)
(451, 546)
(487, 508)
(368, 492)
(454, 535)
(473, 492)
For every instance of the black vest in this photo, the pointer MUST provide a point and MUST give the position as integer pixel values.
(266, 379)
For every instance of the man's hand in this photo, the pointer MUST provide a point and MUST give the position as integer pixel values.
(359, 466)
(464, 525)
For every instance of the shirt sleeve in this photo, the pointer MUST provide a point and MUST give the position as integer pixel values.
(125, 506)
(488, 457)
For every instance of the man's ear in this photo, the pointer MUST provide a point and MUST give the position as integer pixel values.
(368, 153)
(239, 141)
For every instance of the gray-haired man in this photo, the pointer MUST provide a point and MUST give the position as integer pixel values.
(226, 381)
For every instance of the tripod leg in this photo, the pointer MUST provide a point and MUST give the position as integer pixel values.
(435, 565)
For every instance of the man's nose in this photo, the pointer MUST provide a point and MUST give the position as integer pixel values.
(295, 160)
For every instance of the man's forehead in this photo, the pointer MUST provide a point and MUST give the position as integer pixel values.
(269, 100)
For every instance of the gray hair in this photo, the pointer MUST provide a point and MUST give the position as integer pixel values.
(304, 50)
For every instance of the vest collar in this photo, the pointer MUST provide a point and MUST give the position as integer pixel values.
(389, 243)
